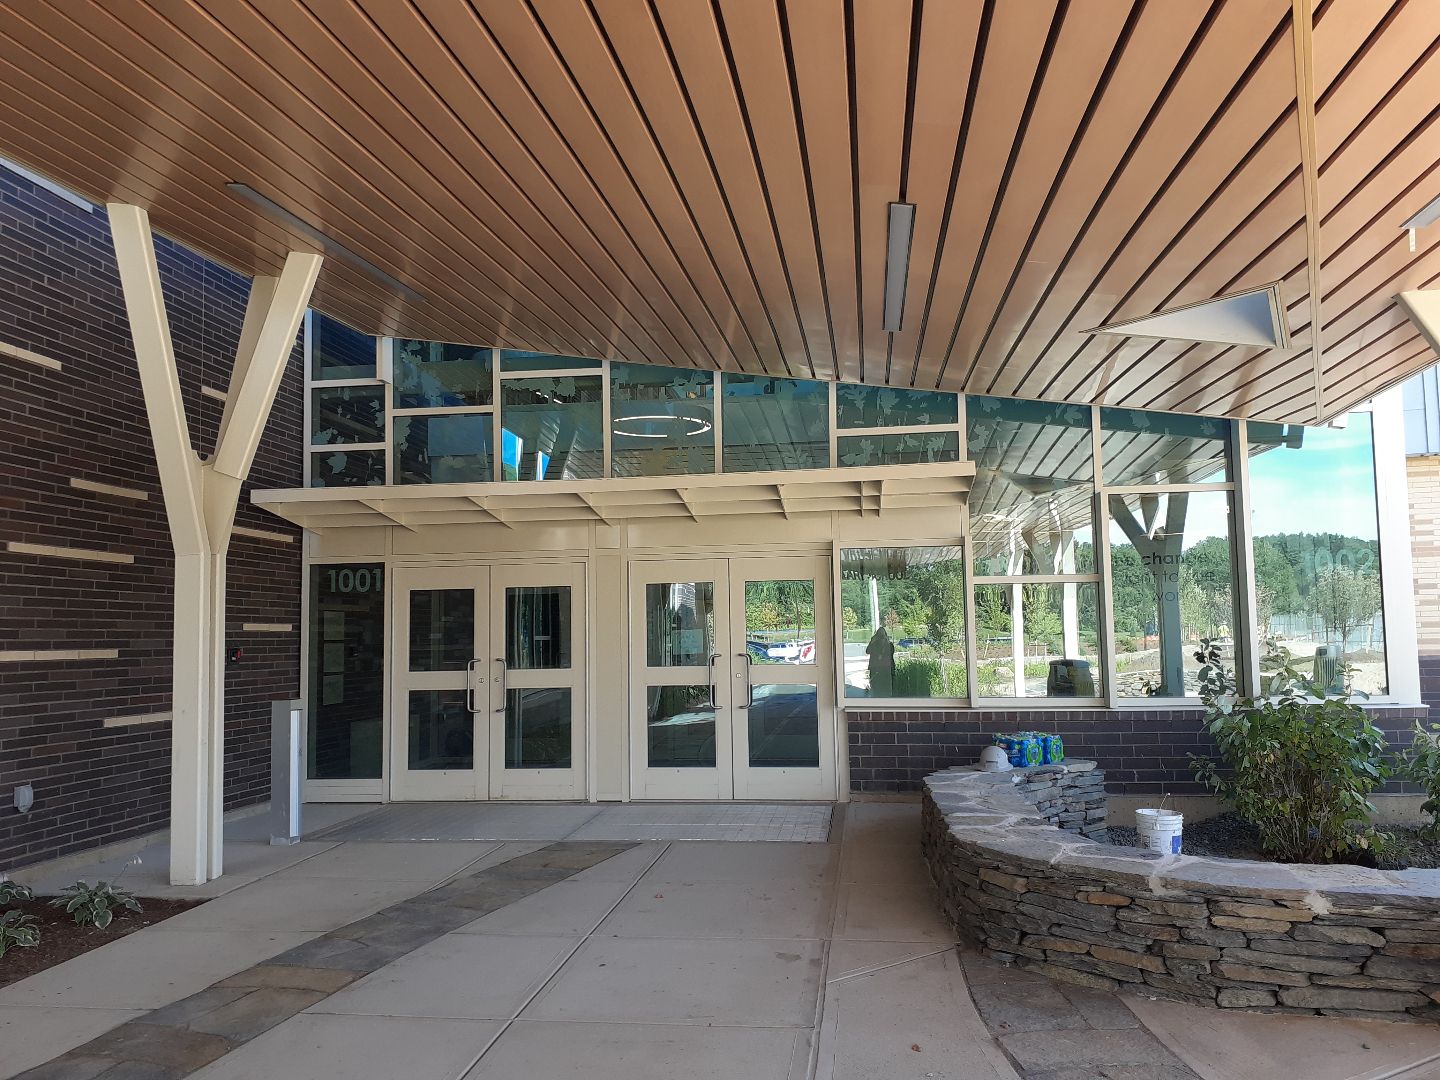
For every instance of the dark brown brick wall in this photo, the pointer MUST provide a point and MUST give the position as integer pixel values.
(60, 296)
(1143, 751)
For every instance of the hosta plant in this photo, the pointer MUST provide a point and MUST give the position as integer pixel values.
(1420, 765)
(12, 892)
(94, 905)
(1297, 761)
(15, 930)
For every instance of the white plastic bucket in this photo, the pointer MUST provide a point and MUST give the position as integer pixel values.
(1160, 830)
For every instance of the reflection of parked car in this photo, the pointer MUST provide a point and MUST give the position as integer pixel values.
(794, 652)
(758, 650)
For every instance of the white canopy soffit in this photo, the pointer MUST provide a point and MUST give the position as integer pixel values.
(864, 492)
(708, 184)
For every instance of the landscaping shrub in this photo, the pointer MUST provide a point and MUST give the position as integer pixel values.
(1299, 762)
(1420, 765)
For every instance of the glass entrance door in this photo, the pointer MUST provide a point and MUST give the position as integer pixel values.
(731, 685)
(487, 688)
(784, 700)
(537, 697)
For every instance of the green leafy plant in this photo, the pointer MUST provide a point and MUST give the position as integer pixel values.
(12, 892)
(15, 930)
(94, 905)
(1420, 765)
(1297, 761)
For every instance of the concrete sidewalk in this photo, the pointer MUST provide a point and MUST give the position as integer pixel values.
(497, 960)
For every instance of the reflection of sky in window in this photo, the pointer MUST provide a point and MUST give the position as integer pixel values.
(1325, 486)
(1328, 485)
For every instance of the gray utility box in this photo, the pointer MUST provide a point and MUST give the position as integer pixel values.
(287, 769)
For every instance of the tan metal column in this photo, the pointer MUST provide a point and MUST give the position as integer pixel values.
(200, 500)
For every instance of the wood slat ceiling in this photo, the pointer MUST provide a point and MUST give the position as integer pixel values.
(704, 182)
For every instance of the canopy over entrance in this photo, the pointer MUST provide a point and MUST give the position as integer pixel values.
(711, 185)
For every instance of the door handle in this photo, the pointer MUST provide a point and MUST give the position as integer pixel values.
(503, 669)
(712, 703)
(471, 705)
(749, 687)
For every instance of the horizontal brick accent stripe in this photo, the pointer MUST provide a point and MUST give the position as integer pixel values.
(141, 718)
(21, 656)
(17, 353)
(1142, 751)
(216, 395)
(268, 627)
(263, 534)
(81, 484)
(55, 551)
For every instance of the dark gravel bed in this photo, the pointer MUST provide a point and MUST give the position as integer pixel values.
(1231, 837)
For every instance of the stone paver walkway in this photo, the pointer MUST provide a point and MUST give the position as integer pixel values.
(483, 960)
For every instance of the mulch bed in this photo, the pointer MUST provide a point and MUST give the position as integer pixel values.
(61, 939)
(1231, 837)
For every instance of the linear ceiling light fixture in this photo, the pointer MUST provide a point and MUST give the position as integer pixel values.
(897, 262)
(327, 244)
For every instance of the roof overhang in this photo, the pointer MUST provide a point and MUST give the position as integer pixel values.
(863, 492)
(709, 184)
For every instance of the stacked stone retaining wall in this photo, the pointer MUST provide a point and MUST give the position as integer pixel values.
(1334, 940)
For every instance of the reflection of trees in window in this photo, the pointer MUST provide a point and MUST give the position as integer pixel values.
(1344, 599)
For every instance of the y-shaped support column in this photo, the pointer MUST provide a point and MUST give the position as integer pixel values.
(200, 499)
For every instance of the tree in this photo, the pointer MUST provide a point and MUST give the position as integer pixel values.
(1344, 599)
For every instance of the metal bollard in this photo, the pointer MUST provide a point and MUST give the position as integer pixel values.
(287, 769)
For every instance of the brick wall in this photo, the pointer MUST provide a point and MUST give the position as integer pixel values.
(1423, 480)
(60, 297)
(1143, 751)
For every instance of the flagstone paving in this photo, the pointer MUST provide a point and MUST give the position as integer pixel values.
(493, 960)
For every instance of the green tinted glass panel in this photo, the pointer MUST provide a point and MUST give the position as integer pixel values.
(1032, 499)
(442, 629)
(911, 448)
(662, 421)
(441, 731)
(347, 672)
(1142, 447)
(1172, 583)
(347, 468)
(784, 726)
(679, 727)
(537, 728)
(443, 449)
(780, 622)
(903, 612)
(433, 375)
(883, 406)
(347, 414)
(516, 360)
(775, 424)
(1317, 550)
(679, 623)
(337, 352)
(552, 428)
(537, 627)
(1038, 639)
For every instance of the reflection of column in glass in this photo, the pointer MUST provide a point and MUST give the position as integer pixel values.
(1017, 636)
(1161, 550)
(1069, 599)
(875, 623)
